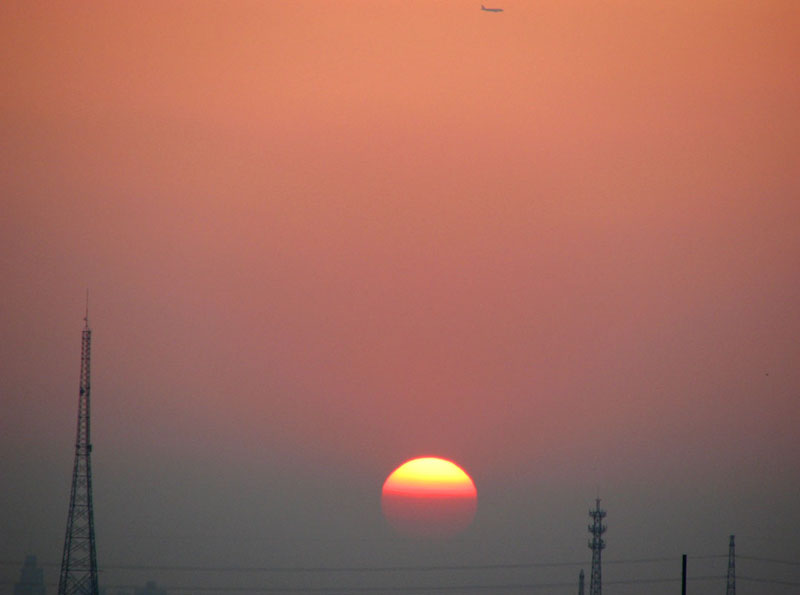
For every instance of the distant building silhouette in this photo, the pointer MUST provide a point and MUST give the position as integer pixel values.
(150, 588)
(31, 579)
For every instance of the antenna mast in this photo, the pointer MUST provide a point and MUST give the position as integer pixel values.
(596, 544)
(79, 559)
(731, 590)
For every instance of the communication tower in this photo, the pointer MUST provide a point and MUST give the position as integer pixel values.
(596, 544)
(731, 590)
(79, 559)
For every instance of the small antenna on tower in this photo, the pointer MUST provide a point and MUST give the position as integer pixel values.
(86, 317)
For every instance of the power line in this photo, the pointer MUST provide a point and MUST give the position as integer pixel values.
(770, 581)
(773, 560)
(406, 589)
(367, 569)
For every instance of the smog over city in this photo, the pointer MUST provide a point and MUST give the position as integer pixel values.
(383, 296)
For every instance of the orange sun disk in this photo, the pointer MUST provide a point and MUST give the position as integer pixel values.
(429, 497)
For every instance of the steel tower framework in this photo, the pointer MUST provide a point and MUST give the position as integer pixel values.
(731, 590)
(79, 559)
(597, 544)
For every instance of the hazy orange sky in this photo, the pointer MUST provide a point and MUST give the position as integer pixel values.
(559, 245)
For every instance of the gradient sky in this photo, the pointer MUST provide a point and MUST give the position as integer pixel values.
(558, 245)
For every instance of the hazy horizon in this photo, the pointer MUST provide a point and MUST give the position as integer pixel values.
(558, 245)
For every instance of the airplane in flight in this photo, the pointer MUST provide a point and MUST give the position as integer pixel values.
(491, 9)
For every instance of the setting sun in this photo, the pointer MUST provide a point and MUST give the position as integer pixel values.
(430, 497)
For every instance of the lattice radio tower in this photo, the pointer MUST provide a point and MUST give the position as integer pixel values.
(79, 560)
(596, 543)
(731, 590)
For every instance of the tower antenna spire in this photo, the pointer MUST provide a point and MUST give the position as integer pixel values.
(79, 558)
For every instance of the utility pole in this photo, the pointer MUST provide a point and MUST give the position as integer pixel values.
(596, 544)
(79, 559)
(683, 575)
